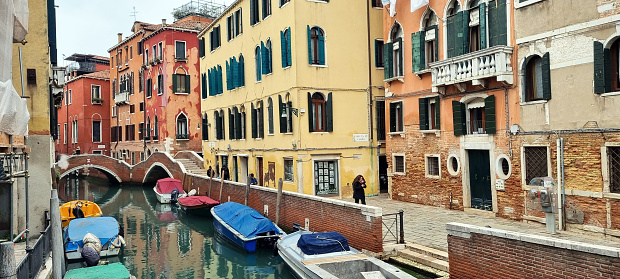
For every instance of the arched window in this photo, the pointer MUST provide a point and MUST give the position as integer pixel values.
(425, 42)
(270, 115)
(316, 43)
(182, 132)
(257, 63)
(395, 47)
(318, 112)
(242, 122)
(222, 128)
(205, 127)
(267, 60)
(148, 128)
(241, 68)
(156, 129)
(537, 78)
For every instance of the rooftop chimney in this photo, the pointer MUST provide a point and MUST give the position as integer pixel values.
(163, 22)
(120, 37)
(199, 25)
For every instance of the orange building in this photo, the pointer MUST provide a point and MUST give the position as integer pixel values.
(450, 102)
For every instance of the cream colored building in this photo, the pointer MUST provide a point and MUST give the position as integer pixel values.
(290, 91)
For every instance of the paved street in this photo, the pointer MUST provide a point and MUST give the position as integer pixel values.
(426, 225)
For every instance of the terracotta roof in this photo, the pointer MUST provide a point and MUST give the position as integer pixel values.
(105, 74)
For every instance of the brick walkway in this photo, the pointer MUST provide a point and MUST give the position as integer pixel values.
(426, 225)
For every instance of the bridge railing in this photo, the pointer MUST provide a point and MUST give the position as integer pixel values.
(393, 228)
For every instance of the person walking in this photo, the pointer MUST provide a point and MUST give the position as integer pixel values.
(225, 173)
(253, 180)
(359, 183)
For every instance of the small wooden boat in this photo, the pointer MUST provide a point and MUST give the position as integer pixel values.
(78, 209)
(106, 229)
(328, 255)
(244, 226)
(109, 271)
(169, 190)
(198, 205)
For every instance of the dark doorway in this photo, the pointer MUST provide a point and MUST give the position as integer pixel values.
(480, 179)
(383, 179)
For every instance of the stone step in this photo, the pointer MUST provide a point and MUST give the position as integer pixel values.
(428, 251)
(424, 259)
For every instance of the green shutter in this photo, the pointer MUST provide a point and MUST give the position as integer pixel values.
(281, 108)
(309, 45)
(238, 126)
(321, 49)
(188, 88)
(231, 127)
(489, 114)
(387, 60)
(423, 102)
(437, 114)
(483, 25)
(329, 112)
(262, 119)
(458, 118)
(220, 84)
(451, 36)
(377, 54)
(289, 105)
(201, 47)
(310, 113)
(253, 118)
(546, 76)
(283, 48)
(241, 71)
(417, 51)
(436, 43)
(289, 59)
(252, 14)
(601, 66)
(393, 116)
(228, 76)
(218, 126)
(497, 23)
(203, 86)
(465, 32)
(400, 57)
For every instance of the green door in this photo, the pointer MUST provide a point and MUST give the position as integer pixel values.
(480, 179)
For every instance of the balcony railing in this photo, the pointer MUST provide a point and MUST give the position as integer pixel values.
(475, 67)
(121, 98)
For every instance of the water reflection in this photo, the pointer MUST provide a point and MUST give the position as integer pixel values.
(163, 242)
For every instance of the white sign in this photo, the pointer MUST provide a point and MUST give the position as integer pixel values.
(360, 137)
(500, 185)
(211, 144)
(101, 146)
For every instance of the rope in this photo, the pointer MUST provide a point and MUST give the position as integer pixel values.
(324, 238)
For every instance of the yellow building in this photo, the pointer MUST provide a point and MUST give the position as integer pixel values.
(291, 90)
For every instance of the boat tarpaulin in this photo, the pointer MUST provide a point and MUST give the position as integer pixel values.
(322, 243)
(166, 185)
(197, 200)
(244, 219)
(105, 228)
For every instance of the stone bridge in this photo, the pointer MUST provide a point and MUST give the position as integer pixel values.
(158, 165)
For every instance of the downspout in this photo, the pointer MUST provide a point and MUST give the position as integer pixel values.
(559, 179)
(563, 187)
(369, 97)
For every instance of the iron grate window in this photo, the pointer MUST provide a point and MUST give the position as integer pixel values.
(432, 166)
(614, 169)
(399, 164)
(535, 163)
(288, 170)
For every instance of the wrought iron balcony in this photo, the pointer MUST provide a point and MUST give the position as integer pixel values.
(121, 98)
(475, 67)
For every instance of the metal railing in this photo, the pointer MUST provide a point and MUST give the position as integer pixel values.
(121, 98)
(393, 226)
(35, 257)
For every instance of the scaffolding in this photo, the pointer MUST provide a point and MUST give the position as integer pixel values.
(204, 8)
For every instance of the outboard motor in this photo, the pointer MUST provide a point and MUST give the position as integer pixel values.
(77, 212)
(174, 195)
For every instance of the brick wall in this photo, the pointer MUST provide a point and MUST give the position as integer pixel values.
(477, 252)
(361, 225)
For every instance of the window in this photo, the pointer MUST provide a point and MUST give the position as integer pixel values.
(242, 122)
(398, 163)
(320, 112)
(475, 37)
(161, 50)
(266, 58)
(156, 129)
(70, 96)
(376, 3)
(379, 52)
(380, 111)
(130, 52)
(536, 162)
(467, 29)
(266, 8)
(316, 46)
(429, 113)
(285, 112)
(433, 169)
(606, 67)
(201, 47)
(258, 129)
(132, 108)
(431, 40)
(537, 81)
(146, 56)
(238, 22)
(155, 53)
(285, 46)
(232, 123)
(96, 94)
(141, 80)
(230, 27)
(160, 84)
(181, 83)
(148, 128)
(270, 116)
(254, 12)
(282, 2)
(74, 131)
(66, 97)
(503, 167)
(114, 111)
(141, 106)
(288, 169)
(393, 53)
(141, 131)
(477, 116)
(205, 127)
(149, 88)
(180, 50)
(257, 63)
(64, 135)
(214, 38)
(453, 165)
(613, 162)
(396, 117)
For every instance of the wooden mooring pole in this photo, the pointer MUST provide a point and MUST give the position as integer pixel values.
(279, 201)
(58, 259)
(247, 189)
(210, 180)
(221, 188)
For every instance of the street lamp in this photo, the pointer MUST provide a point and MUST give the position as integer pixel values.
(293, 110)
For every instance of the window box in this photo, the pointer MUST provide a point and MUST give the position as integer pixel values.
(180, 59)
(97, 101)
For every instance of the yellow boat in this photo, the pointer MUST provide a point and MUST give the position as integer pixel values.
(78, 209)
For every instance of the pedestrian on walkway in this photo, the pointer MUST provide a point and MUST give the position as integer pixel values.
(225, 173)
(359, 183)
(253, 180)
(210, 172)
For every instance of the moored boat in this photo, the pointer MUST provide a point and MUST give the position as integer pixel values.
(106, 229)
(78, 209)
(169, 190)
(328, 255)
(199, 205)
(245, 226)
(109, 271)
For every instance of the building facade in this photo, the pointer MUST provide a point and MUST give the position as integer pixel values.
(84, 115)
(283, 97)
(450, 100)
(568, 105)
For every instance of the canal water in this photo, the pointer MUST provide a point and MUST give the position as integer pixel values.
(163, 242)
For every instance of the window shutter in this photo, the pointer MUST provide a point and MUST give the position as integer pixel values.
(321, 49)
(201, 47)
(203, 85)
(400, 71)
(377, 53)
(188, 88)
(252, 12)
(601, 64)
(253, 119)
(329, 113)
(262, 119)
(263, 60)
(489, 114)
(220, 88)
(465, 32)
(546, 76)
(451, 37)
(210, 82)
(204, 127)
(283, 48)
(310, 113)
(436, 43)
(231, 127)
(289, 105)
(241, 66)
(417, 51)
(218, 123)
(235, 70)
(174, 83)
(289, 60)
(458, 118)
(264, 6)
(270, 58)
(387, 60)
(437, 113)
(238, 127)
(497, 23)
(149, 87)
(483, 25)
(228, 76)
(309, 45)
(423, 102)
(393, 117)
(139, 46)
(282, 119)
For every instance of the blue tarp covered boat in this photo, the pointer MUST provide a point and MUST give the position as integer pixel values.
(104, 228)
(245, 226)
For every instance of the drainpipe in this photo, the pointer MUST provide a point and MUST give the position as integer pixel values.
(563, 186)
(559, 179)
(369, 96)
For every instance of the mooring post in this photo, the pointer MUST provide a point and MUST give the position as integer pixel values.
(247, 189)
(278, 201)
(58, 257)
(221, 187)
(7, 257)
(402, 227)
(210, 180)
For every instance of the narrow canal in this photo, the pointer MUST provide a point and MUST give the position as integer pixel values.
(163, 242)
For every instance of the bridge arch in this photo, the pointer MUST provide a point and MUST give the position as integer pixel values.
(155, 172)
(101, 168)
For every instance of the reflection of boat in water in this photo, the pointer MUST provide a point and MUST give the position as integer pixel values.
(78, 209)
(166, 212)
(237, 256)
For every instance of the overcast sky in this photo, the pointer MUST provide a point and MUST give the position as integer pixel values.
(90, 26)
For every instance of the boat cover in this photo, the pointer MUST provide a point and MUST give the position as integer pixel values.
(322, 243)
(105, 228)
(244, 219)
(166, 185)
(113, 270)
(197, 200)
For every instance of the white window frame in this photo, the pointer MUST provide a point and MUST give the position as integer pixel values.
(453, 172)
(65, 134)
(161, 51)
(184, 50)
(146, 56)
(524, 183)
(399, 121)
(427, 158)
(605, 169)
(292, 174)
(177, 125)
(394, 155)
(500, 170)
(155, 52)
(70, 96)
(92, 92)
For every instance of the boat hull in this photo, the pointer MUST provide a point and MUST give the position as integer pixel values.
(248, 244)
(89, 209)
(166, 198)
(77, 254)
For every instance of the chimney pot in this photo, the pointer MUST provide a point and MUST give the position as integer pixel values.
(120, 37)
(163, 22)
